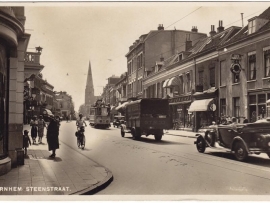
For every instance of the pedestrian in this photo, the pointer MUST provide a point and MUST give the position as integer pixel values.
(41, 126)
(52, 135)
(26, 141)
(67, 118)
(245, 120)
(34, 124)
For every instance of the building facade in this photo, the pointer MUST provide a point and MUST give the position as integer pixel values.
(65, 105)
(13, 45)
(149, 48)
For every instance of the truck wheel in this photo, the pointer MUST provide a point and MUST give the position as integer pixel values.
(122, 132)
(200, 144)
(240, 151)
(133, 133)
(158, 136)
(138, 133)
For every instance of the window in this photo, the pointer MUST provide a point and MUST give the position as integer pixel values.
(181, 88)
(235, 77)
(252, 66)
(236, 107)
(139, 60)
(267, 63)
(251, 26)
(129, 68)
(212, 77)
(252, 99)
(261, 98)
(222, 107)
(200, 77)
(223, 72)
(188, 82)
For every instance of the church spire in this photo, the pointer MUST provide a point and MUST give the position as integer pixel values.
(89, 90)
(89, 82)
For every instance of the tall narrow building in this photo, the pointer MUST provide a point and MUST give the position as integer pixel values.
(89, 90)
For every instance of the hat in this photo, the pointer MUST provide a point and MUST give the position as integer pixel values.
(35, 116)
(25, 131)
(40, 116)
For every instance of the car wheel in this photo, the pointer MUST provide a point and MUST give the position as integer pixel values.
(200, 144)
(122, 132)
(240, 151)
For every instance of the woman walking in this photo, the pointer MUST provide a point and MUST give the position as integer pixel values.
(41, 126)
(52, 135)
(34, 124)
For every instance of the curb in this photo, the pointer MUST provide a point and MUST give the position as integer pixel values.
(189, 136)
(98, 187)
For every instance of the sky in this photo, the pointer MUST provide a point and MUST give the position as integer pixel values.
(74, 34)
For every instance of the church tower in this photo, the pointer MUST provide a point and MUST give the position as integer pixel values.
(89, 90)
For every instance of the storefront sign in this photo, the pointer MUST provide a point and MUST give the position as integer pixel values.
(180, 99)
(236, 57)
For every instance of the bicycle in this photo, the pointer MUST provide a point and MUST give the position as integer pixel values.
(80, 137)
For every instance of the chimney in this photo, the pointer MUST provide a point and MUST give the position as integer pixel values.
(212, 32)
(220, 26)
(161, 58)
(194, 29)
(188, 42)
(160, 27)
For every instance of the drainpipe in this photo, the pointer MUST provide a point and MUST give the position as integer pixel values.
(195, 114)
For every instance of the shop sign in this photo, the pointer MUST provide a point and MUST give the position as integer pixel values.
(212, 107)
(179, 110)
(236, 57)
(180, 99)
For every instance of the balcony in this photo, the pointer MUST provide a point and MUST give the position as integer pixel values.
(32, 58)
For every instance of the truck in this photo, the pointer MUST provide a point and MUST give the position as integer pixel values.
(147, 116)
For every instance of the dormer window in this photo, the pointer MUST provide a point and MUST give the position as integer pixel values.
(252, 26)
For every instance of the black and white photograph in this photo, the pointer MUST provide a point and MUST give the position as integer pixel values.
(135, 101)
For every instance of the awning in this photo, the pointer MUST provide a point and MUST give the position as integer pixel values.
(268, 101)
(47, 112)
(202, 105)
(174, 81)
(165, 83)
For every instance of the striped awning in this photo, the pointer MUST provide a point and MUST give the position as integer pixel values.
(174, 81)
(165, 84)
(201, 105)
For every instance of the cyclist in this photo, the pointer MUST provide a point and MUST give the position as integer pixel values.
(80, 137)
(80, 132)
(80, 121)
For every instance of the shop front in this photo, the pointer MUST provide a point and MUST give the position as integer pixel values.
(204, 108)
(3, 103)
(179, 107)
(258, 105)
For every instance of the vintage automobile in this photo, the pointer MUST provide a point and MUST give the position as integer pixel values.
(118, 120)
(240, 139)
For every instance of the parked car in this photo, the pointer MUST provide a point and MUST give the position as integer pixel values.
(240, 139)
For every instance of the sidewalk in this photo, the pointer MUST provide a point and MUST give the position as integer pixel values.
(68, 173)
(181, 133)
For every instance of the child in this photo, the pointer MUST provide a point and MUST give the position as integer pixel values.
(26, 141)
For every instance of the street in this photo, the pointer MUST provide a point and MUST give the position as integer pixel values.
(169, 167)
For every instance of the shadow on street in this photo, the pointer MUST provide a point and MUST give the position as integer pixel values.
(255, 160)
(152, 141)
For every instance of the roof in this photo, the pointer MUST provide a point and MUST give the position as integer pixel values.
(265, 14)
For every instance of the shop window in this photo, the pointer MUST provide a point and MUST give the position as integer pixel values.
(252, 66)
(222, 107)
(212, 77)
(261, 98)
(267, 63)
(236, 107)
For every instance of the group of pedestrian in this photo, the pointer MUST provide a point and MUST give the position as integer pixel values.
(37, 129)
